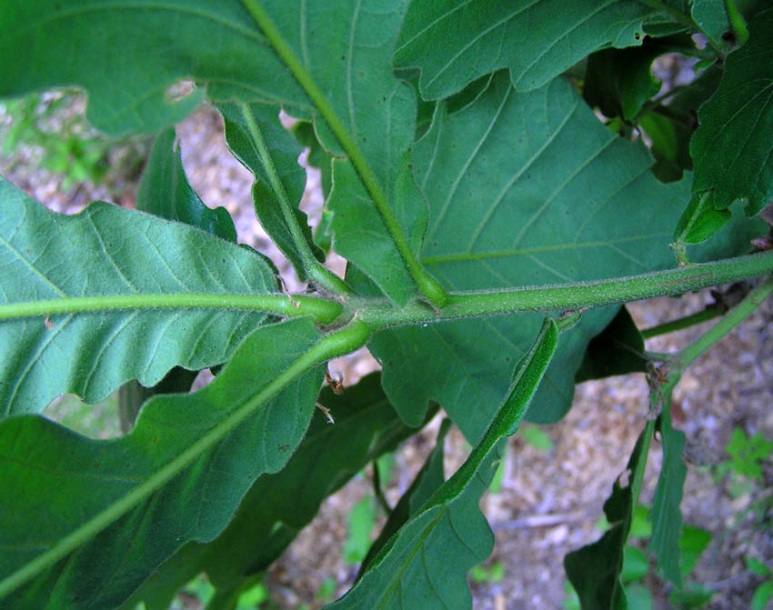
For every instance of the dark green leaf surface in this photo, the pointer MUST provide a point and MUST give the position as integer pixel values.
(278, 506)
(344, 50)
(732, 149)
(380, 112)
(101, 46)
(166, 192)
(454, 42)
(524, 189)
(118, 252)
(100, 516)
(425, 564)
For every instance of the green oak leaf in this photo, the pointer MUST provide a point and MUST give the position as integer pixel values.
(524, 189)
(732, 150)
(711, 16)
(165, 191)
(83, 522)
(425, 563)
(160, 44)
(279, 505)
(102, 253)
(454, 42)
(340, 68)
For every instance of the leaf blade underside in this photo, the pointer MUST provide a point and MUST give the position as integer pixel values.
(117, 253)
(454, 42)
(524, 189)
(343, 50)
(91, 526)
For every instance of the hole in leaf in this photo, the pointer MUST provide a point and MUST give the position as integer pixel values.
(177, 92)
(624, 480)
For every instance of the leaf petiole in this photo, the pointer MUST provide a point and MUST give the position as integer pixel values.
(428, 286)
(324, 311)
(317, 272)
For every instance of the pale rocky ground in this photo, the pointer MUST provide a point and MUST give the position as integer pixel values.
(549, 501)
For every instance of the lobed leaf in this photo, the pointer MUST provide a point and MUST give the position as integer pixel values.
(711, 17)
(425, 564)
(666, 507)
(340, 68)
(165, 191)
(524, 189)
(732, 151)
(90, 520)
(454, 42)
(278, 506)
(425, 484)
(86, 260)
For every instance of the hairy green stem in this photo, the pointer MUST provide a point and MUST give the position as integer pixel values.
(379, 313)
(324, 311)
(675, 364)
(428, 286)
(312, 268)
(330, 346)
(579, 295)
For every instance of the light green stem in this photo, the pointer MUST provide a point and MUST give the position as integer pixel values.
(312, 268)
(678, 363)
(573, 296)
(428, 286)
(380, 313)
(336, 344)
(728, 322)
(324, 311)
(680, 324)
(737, 22)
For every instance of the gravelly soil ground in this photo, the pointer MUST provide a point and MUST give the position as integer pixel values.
(549, 501)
